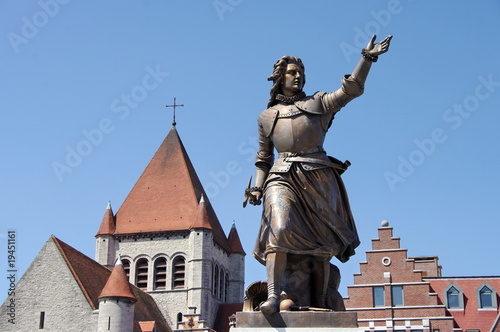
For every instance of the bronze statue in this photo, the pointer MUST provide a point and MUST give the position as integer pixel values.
(306, 216)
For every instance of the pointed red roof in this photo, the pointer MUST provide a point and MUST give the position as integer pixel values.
(166, 196)
(108, 225)
(203, 220)
(234, 241)
(117, 284)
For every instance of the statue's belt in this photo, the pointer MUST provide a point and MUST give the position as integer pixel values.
(285, 161)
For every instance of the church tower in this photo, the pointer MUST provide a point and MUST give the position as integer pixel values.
(171, 242)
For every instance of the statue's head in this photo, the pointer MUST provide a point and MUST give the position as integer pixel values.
(288, 77)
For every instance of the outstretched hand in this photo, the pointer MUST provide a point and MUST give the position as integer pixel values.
(379, 48)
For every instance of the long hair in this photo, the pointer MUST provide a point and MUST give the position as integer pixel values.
(279, 73)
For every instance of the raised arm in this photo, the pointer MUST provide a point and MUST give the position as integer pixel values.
(370, 54)
(353, 85)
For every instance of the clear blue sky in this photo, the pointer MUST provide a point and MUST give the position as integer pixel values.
(423, 139)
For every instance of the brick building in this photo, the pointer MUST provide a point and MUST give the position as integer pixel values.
(396, 293)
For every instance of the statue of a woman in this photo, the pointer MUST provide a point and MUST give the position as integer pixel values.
(306, 211)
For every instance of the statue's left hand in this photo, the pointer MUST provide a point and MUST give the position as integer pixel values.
(379, 48)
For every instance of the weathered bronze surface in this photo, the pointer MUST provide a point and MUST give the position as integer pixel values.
(306, 216)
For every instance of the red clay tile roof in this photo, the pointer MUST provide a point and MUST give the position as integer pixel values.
(92, 277)
(202, 220)
(147, 326)
(108, 222)
(117, 284)
(234, 241)
(225, 310)
(166, 196)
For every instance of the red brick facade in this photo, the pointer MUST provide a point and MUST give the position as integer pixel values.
(472, 313)
(394, 292)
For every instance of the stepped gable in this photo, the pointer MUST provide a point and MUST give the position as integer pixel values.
(92, 277)
(117, 284)
(108, 224)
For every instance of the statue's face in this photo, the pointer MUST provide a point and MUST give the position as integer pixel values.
(293, 81)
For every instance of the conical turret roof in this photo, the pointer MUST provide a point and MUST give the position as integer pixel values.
(108, 222)
(234, 241)
(117, 284)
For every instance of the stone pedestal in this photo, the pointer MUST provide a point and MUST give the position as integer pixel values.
(294, 321)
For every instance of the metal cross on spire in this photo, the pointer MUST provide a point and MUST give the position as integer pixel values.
(174, 106)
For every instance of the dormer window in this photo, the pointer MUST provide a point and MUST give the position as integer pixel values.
(454, 297)
(486, 297)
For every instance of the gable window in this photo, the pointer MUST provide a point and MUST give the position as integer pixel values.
(397, 295)
(454, 297)
(141, 277)
(179, 272)
(160, 281)
(378, 296)
(486, 296)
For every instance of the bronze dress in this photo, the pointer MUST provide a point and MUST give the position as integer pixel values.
(305, 206)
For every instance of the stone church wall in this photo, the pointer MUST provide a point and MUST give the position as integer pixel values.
(48, 286)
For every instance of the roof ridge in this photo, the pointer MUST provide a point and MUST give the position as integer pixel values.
(72, 269)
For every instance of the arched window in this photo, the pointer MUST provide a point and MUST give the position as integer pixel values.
(216, 278)
(486, 296)
(454, 297)
(179, 317)
(160, 280)
(226, 286)
(141, 276)
(214, 289)
(179, 272)
(221, 284)
(126, 267)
